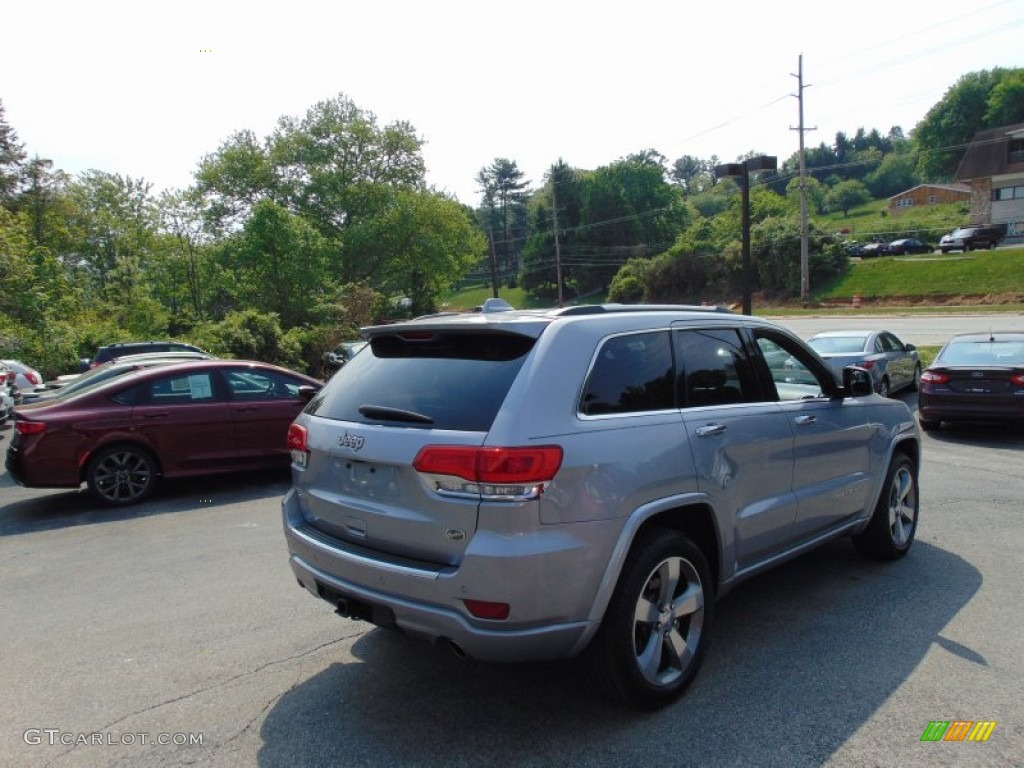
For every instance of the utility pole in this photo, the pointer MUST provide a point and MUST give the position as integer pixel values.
(558, 252)
(494, 263)
(805, 278)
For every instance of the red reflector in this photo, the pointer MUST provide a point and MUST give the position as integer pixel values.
(483, 609)
(491, 465)
(29, 427)
(933, 377)
(297, 438)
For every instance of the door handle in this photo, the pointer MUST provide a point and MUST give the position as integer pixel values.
(805, 420)
(153, 416)
(710, 430)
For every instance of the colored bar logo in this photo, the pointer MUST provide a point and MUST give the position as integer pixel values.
(958, 730)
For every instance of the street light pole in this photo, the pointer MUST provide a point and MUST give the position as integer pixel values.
(742, 171)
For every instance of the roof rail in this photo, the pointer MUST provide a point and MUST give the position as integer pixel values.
(594, 309)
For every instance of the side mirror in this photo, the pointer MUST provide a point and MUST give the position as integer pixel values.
(909, 347)
(333, 358)
(857, 381)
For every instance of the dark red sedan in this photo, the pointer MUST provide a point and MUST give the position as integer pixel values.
(192, 418)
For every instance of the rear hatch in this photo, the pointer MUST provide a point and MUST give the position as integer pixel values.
(408, 390)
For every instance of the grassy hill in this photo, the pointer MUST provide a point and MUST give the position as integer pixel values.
(976, 277)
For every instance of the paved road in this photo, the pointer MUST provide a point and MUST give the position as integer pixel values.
(180, 617)
(913, 329)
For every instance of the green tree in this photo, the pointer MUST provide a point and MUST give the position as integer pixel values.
(942, 137)
(113, 219)
(846, 195)
(421, 242)
(279, 264)
(503, 211)
(1006, 100)
(815, 194)
(896, 173)
(12, 155)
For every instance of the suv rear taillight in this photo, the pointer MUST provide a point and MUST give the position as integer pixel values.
(933, 377)
(496, 473)
(29, 427)
(297, 436)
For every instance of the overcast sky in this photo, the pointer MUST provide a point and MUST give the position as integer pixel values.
(147, 89)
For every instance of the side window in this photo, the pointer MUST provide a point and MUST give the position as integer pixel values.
(631, 374)
(260, 385)
(179, 390)
(891, 343)
(714, 368)
(790, 368)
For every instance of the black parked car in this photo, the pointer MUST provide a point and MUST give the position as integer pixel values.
(874, 249)
(972, 238)
(908, 245)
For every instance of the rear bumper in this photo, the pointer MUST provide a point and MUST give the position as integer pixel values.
(932, 410)
(426, 602)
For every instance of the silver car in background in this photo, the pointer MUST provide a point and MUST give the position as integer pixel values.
(528, 485)
(893, 365)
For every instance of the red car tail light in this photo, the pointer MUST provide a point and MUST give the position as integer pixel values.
(32, 378)
(297, 437)
(1018, 379)
(29, 427)
(490, 471)
(866, 364)
(491, 465)
(934, 377)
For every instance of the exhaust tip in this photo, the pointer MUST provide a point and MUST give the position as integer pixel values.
(455, 648)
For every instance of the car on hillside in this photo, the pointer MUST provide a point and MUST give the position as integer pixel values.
(972, 238)
(907, 245)
(123, 348)
(536, 484)
(876, 248)
(120, 437)
(892, 364)
(974, 377)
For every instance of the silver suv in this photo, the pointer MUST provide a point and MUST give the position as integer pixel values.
(527, 485)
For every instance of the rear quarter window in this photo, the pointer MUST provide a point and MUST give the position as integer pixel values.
(456, 381)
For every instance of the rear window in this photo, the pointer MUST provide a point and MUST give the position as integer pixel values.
(838, 344)
(1009, 352)
(441, 381)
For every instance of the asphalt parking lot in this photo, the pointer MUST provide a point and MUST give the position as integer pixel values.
(173, 633)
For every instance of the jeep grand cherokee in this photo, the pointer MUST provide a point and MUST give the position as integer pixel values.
(526, 485)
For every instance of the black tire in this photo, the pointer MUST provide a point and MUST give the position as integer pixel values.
(883, 387)
(648, 662)
(992, 246)
(893, 524)
(120, 475)
(915, 385)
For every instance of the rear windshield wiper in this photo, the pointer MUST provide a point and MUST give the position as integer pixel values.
(393, 414)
